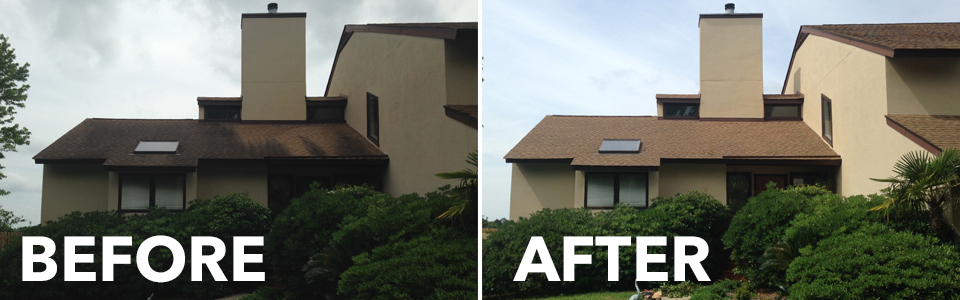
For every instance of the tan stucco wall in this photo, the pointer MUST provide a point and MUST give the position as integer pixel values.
(461, 72)
(536, 186)
(681, 178)
(855, 80)
(72, 187)
(213, 180)
(731, 68)
(273, 68)
(924, 86)
(407, 74)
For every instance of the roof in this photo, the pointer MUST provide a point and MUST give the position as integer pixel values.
(466, 114)
(113, 141)
(446, 30)
(890, 40)
(934, 133)
(579, 137)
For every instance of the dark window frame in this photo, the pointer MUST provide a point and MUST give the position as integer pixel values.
(153, 191)
(757, 184)
(373, 114)
(665, 116)
(825, 113)
(794, 175)
(207, 109)
(748, 176)
(616, 189)
(799, 116)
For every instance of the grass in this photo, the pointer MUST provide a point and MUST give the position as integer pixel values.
(592, 296)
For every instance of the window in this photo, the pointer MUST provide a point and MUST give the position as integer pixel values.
(827, 114)
(681, 111)
(325, 113)
(373, 118)
(781, 112)
(157, 147)
(221, 112)
(139, 192)
(738, 189)
(620, 146)
(606, 190)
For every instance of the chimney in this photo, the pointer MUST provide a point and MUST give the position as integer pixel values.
(273, 65)
(731, 65)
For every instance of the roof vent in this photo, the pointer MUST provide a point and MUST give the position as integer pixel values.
(620, 146)
(272, 8)
(728, 8)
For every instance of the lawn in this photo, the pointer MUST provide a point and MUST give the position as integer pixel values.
(593, 296)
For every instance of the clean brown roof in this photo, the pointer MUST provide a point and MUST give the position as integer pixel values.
(113, 140)
(899, 36)
(941, 132)
(579, 138)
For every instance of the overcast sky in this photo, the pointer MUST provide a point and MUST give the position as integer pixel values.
(151, 59)
(611, 58)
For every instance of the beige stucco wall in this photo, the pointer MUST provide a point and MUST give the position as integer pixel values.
(461, 70)
(731, 68)
(408, 75)
(273, 68)
(856, 82)
(72, 187)
(924, 86)
(681, 178)
(535, 186)
(213, 180)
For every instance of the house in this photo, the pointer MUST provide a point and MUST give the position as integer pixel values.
(855, 99)
(400, 106)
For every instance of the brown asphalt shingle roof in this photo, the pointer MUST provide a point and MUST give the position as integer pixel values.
(899, 36)
(115, 139)
(579, 138)
(941, 131)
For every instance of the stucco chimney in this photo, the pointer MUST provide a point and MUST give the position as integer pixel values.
(731, 65)
(273, 65)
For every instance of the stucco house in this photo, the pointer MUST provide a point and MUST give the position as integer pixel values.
(400, 106)
(855, 99)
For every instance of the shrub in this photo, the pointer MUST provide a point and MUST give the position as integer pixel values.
(876, 262)
(716, 291)
(761, 223)
(434, 265)
(222, 217)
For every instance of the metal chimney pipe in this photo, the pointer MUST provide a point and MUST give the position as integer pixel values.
(272, 8)
(728, 8)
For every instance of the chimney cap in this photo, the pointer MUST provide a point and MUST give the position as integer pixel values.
(272, 8)
(729, 7)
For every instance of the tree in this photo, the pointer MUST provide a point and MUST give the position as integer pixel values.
(925, 182)
(465, 193)
(13, 92)
(8, 219)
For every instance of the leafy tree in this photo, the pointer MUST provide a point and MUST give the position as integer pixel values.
(8, 219)
(465, 193)
(13, 92)
(925, 182)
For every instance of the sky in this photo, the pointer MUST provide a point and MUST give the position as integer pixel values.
(152, 59)
(611, 58)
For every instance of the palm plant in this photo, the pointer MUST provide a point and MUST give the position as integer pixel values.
(465, 193)
(925, 182)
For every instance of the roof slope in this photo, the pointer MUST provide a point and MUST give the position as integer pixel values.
(899, 36)
(579, 138)
(940, 132)
(113, 140)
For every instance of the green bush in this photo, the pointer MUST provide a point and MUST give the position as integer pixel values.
(716, 291)
(434, 265)
(690, 214)
(222, 217)
(761, 223)
(876, 262)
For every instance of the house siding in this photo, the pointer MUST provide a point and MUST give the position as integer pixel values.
(923, 86)
(72, 187)
(681, 178)
(535, 186)
(856, 82)
(213, 180)
(408, 75)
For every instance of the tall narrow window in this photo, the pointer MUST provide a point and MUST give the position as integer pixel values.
(827, 110)
(373, 118)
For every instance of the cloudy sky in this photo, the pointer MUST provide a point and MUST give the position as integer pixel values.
(611, 58)
(151, 59)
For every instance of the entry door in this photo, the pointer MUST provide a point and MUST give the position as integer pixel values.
(760, 182)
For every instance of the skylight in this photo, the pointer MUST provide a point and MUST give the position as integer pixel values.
(157, 147)
(620, 146)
